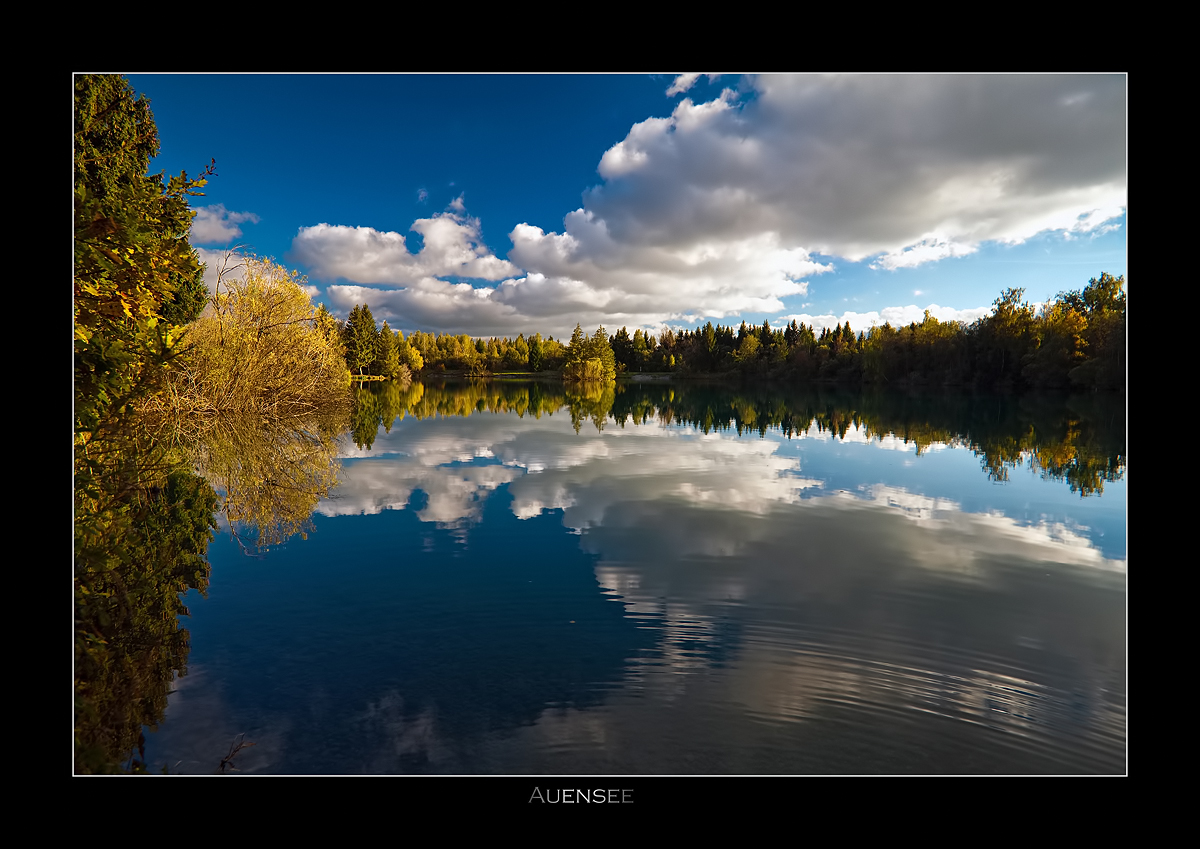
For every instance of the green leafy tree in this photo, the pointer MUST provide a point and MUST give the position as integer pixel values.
(410, 355)
(518, 357)
(1004, 338)
(1104, 300)
(748, 349)
(643, 349)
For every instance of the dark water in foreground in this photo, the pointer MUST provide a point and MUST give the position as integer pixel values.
(849, 585)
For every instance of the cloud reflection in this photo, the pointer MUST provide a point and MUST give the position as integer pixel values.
(694, 491)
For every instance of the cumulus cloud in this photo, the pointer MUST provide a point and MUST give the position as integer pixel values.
(729, 206)
(582, 275)
(453, 246)
(856, 166)
(907, 169)
(215, 224)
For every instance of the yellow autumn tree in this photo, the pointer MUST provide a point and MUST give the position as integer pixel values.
(261, 347)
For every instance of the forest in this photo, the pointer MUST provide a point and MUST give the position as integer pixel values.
(1077, 342)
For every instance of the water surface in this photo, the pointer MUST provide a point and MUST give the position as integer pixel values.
(517, 579)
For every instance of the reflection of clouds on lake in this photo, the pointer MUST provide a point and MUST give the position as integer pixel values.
(408, 739)
(455, 492)
(551, 467)
(972, 534)
(648, 464)
(866, 638)
(694, 493)
(766, 621)
(439, 457)
(814, 696)
(860, 435)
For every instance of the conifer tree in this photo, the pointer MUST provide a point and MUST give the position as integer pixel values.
(361, 339)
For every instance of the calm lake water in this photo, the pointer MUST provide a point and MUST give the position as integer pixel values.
(664, 579)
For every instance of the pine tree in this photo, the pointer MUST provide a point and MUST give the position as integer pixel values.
(535, 352)
(388, 359)
(361, 339)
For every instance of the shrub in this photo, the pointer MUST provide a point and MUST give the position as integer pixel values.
(261, 347)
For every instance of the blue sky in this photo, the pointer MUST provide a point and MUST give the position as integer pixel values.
(495, 205)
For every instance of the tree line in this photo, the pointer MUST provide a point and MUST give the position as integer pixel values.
(1077, 341)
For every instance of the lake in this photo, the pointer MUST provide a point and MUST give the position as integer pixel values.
(663, 578)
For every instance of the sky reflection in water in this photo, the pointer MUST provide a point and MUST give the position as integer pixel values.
(496, 594)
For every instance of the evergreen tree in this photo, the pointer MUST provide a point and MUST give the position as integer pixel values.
(535, 353)
(361, 339)
(388, 361)
(622, 348)
(589, 359)
(602, 350)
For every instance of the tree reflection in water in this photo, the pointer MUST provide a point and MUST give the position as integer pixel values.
(1078, 439)
(271, 473)
(131, 645)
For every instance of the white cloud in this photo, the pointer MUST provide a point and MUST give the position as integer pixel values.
(584, 277)
(216, 225)
(682, 83)
(720, 208)
(453, 246)
(855, 166)
(430, 302)
(929, 249)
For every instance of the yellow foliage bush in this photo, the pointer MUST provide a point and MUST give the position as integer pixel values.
(261, 347)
